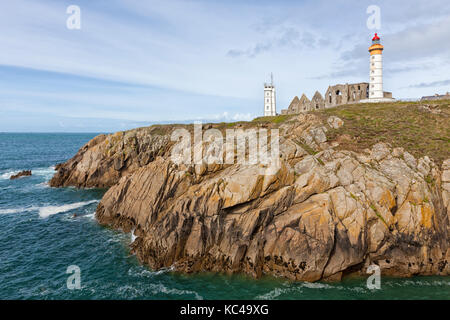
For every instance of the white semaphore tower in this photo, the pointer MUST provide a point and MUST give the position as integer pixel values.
(376, 93)
(270, 107)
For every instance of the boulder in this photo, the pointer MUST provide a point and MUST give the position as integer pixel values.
(24, 173)
(335, 122)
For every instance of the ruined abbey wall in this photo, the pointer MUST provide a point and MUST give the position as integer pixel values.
(335, 95)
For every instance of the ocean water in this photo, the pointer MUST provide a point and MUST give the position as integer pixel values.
(40, 238)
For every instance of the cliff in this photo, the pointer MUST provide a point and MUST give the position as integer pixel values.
(328, 211)
(106, 158)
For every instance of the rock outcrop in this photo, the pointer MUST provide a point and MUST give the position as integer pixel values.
(24, 173)
(106, 158)
(324, 214)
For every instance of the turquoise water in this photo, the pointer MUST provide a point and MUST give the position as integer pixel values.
(40, 238)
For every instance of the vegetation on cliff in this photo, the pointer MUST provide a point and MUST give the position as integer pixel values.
(422, 128)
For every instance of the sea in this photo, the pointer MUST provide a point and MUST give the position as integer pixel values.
(47, 233)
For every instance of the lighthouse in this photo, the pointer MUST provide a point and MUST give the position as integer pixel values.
(270, 107)
(376, 93)
(376, 69)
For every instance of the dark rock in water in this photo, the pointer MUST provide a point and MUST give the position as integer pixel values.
(24, 173)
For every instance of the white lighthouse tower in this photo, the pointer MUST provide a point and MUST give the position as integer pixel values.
(376, 93)
(376, 69)
(270, 107)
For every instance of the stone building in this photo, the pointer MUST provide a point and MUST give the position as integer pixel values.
(346, 93)
(293, 107)
(437, 97)
(317, 102)
(304, 103)
(352, 93)
(298, 105)
(335, 96)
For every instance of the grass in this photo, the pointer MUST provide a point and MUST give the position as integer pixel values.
(271, 122)
(307, 148)
(378, 215)
(273, 119)
(402, 124)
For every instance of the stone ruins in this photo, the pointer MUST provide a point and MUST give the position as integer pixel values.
(437, 97)
(335, 95)
(349, 93)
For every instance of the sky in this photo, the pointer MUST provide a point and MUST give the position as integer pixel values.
(134, 62)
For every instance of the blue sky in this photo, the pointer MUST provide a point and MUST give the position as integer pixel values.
(137, 62)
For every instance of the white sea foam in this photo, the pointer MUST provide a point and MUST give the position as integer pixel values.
(156, 288)
(358, 289)
(90, 216)
(143, 272)
(47, 173)
(164, 270)
(7, 175)
(130, 291)
(133, 237)
(45, 212)
(42, 172)
(42, 185)
(140, 272)
(160, 288)
(273, 294)
(316, 285)
(17, 210)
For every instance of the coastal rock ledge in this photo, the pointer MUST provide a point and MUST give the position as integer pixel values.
(326, 213)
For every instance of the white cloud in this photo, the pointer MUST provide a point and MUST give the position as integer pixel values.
(181, 53)
(226, 116)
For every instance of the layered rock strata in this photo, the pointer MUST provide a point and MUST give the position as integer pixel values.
(324, 214)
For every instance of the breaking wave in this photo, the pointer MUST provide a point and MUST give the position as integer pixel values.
(7, 175)
(45, 212)
(161, 288)
(47, 173)
(275, 293)
(17, 210)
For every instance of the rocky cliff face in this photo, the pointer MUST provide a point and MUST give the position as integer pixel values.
(106, 158)
(324, 214)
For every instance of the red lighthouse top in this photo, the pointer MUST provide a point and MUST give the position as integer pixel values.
(376, 47)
